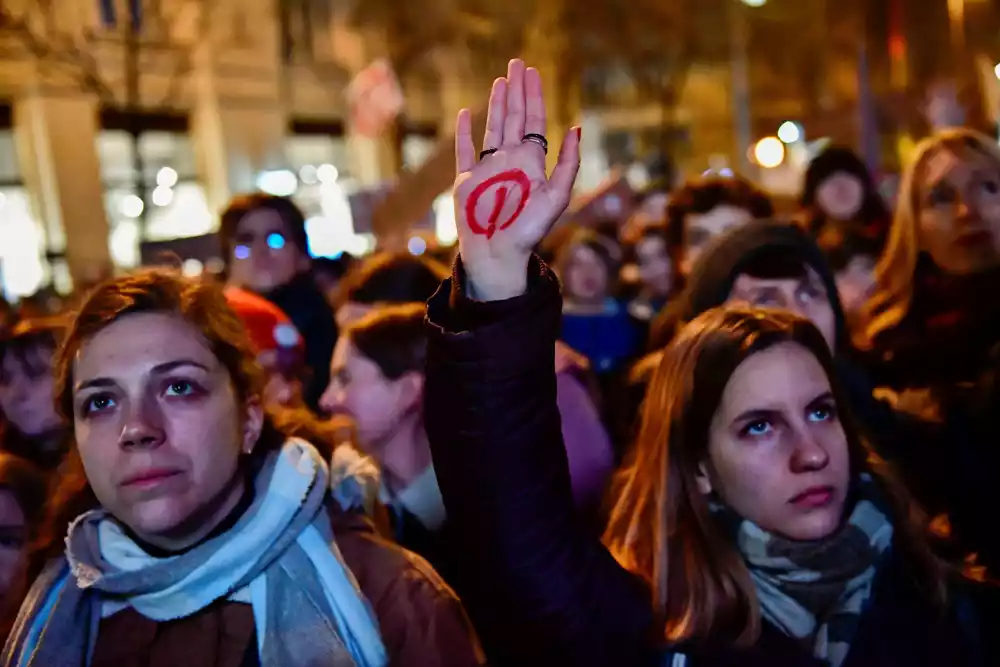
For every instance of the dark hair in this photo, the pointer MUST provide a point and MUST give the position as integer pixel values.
(661, 527)
(838, 159)
(392, 278)
(27, 483)
(28, 342)
(394, 337)
(241, 206)
(701, 195)
(201, 304)
(774, 263)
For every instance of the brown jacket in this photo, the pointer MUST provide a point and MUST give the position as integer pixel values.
(422, 622)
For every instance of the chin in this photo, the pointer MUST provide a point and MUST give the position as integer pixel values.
(816, 525)
(157, 519)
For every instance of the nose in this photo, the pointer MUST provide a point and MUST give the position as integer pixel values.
(332, 399)
(808, 455)
(962, 208)
(143, 427)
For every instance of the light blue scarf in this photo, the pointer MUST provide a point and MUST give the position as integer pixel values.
(280, 557)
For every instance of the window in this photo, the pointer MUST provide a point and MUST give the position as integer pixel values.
(23, 267)
(163, 203)
(323, 192)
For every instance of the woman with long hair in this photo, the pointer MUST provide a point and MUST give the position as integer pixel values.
(752, 525)
(189, 528)
(932, 326)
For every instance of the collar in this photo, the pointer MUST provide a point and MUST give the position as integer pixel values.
(421, 498)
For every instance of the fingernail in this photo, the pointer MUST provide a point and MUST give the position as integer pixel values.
(579, 132)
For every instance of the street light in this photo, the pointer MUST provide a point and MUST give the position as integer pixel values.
(769, 152)
(790, 132)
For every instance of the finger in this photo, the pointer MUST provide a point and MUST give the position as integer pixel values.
(465, 149)
(496, 114)
(513, 127)
(534, 103)
(564, 175)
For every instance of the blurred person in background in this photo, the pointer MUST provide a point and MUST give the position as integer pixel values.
(267, 250)
(23, 495)
(852, 252)
(278, 344)
(32, 428)
(387, 278)
(402, 278)
(705, 208)
(839, 190)
(654, 271)
(376, 379)
(595, 323)
(199, 531)
(932, 326)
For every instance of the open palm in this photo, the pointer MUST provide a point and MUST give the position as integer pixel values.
(505, 203)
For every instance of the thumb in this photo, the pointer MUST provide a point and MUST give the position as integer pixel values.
(564, 175)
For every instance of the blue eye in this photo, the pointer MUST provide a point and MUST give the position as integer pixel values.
(241, 252)
(275, 241)
(180, 388)
(821, 414)
(757, 429)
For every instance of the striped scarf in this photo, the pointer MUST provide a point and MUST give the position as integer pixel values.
(816, 591)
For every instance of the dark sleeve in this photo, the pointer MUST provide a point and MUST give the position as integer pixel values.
(535, 580)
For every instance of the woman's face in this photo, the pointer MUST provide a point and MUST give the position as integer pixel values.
(841, 196)
(160, 428)
(13, 541)
(654, 265)
(958, 210)
(377, 404)
(586, 276)
(777, 453)
(264, 255)
(26, 392)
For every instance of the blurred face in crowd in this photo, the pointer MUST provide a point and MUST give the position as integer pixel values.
(654, 264)
(841, 196)
(856, 282)
(701, 228)
(264, 255)
(160, 428)
(13, 541)
(804, 295)
(777, 452)
(958, 210)
(377, 404)
(26, 391)
(282, 388)
(586, 279)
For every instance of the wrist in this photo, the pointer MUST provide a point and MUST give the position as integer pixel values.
(497, 280)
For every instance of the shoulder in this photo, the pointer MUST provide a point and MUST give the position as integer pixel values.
(421, 618)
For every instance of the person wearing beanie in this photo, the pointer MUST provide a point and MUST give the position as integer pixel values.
(839, 190)
(279, 346)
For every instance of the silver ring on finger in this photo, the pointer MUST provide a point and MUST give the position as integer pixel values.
(536, 138)
(486, 152)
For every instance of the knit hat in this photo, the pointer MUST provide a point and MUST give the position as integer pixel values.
(269, 328)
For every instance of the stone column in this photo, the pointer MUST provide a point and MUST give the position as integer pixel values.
(56, 143)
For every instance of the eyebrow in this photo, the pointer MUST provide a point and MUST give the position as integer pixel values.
(763, 413)
(159, 369)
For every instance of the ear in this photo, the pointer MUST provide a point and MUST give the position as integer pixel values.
(703, 480)
(411, 390)
(253, 423)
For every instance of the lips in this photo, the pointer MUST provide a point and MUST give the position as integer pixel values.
(149, 477)
(976, 238)
(816, 496)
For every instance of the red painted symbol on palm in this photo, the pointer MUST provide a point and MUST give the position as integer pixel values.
(510, 194)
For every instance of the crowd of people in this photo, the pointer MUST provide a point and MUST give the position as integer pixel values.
(703, 435)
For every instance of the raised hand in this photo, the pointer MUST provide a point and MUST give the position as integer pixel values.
(505, 203)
